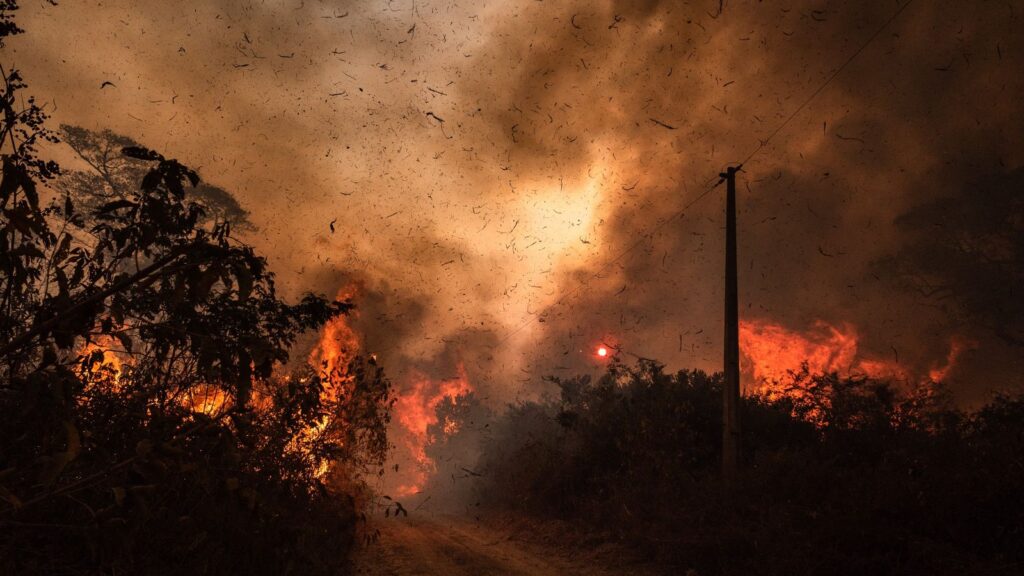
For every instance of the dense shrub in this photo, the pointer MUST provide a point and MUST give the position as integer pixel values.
(848, 476)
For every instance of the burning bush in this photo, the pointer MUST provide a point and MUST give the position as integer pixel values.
(144, 430)
(452, 447)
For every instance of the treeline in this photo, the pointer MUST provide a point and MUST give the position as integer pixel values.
(147, 422)
(840, 475)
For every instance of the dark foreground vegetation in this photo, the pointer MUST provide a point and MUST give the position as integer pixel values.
(147, 425)
(841, 476)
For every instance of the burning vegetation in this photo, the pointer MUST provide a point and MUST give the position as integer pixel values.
(414, 402)
(852, 475)
(147, 421)
(160, 415)
(416, 411)
(773, 354)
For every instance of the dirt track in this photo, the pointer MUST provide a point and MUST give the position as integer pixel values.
(448, 545)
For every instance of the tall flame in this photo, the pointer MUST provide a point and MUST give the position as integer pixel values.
(416, 411)
(338, 343)
(337, 347)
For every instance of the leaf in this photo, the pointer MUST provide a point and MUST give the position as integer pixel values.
(244, 278)
(10, 497)
(142, 495)
(140, 153)
(151, 180)
(178, 295)
(79, 272)
(125, 339)
(17, 219)
(74, 441)
(7, 494)
(62, 250)
(30, 192)
(203, 284)
(250, 496)
(60, 460)
(49, 356)
(62, 284)
(174, 185)
(117, 312)
(26, 250)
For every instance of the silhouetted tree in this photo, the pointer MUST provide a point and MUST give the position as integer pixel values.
(453, 446)
(112, 176)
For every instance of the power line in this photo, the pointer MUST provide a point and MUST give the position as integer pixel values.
(828, 81)
(710, 187)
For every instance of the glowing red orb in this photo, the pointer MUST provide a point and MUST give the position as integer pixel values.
(602, 351)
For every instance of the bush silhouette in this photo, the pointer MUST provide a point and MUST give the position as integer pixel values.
(848, 476)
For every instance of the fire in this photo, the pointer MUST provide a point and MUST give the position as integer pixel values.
(111, 370)
(110, 359)
(450, 427)
(940, 373)
(337, 346)
(104, 363)
(415, 410)
(205, 399)
(338, 343)
(602, 352)
(771, 351)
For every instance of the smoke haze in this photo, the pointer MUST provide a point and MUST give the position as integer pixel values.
(487, 165)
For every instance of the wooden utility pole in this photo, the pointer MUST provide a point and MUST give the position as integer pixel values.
(731, 386)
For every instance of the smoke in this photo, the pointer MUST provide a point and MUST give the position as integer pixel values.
(903, 125)
(486, 165)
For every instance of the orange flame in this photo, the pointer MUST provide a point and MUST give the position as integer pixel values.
(772, 351)
(338, 343)
(107, 372)
(111, 359)
(110, 371)
(337, 346)
(416, 411)
(206, 399)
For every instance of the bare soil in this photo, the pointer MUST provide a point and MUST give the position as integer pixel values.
(430, 545)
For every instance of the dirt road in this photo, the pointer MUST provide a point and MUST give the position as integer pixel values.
(455, 546)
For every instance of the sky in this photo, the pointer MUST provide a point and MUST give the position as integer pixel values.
(505, 179)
